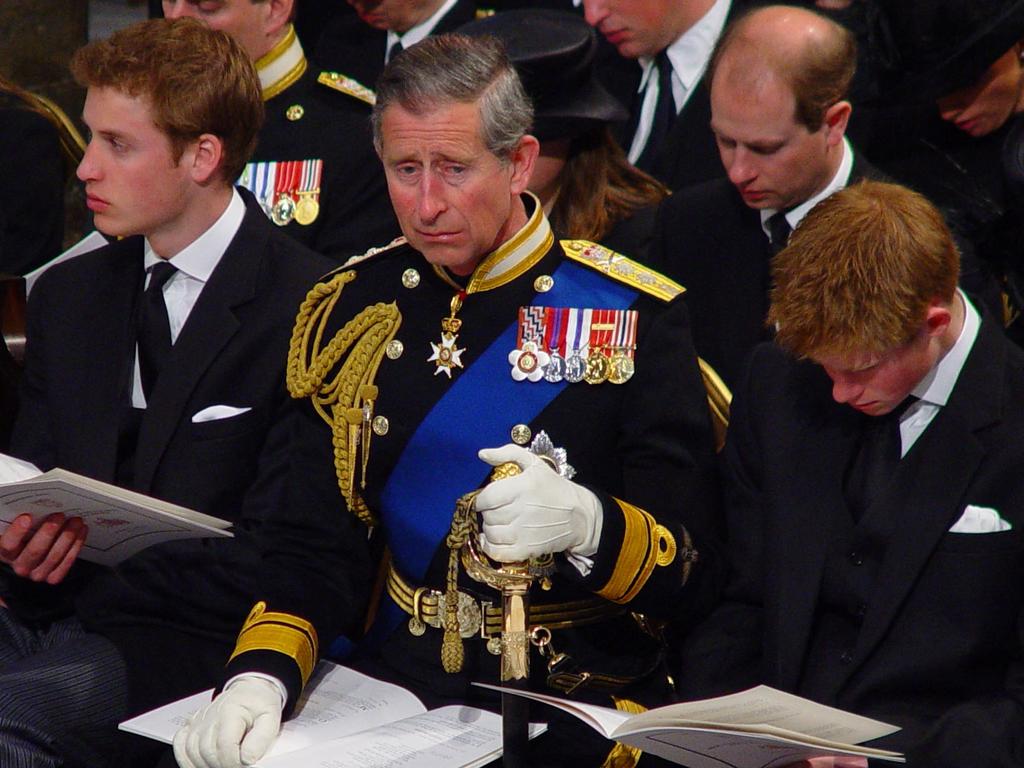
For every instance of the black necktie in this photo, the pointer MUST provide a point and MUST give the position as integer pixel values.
(154, 332)
(877, 455)
(664, 114)
(394, 50)
(778, 231)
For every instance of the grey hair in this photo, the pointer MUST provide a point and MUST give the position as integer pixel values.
(446, 69)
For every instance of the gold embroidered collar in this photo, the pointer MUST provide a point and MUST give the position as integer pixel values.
(512, 258)
(282, 65)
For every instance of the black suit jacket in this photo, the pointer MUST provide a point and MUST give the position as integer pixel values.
(709, 240)
(174, 609)
(939, 650)
(354, 48)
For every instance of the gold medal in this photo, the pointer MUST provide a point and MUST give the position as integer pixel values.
(597, 368)
(307, 209)
(621, 368)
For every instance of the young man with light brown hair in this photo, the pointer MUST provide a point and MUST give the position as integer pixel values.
(874, 494)
(155, 363)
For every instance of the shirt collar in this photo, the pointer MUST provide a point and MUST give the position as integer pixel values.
(691, 52)
(282, 65)
(516, 255)
(841, 178)
(200, 257)
(414, 34)
(937, 385)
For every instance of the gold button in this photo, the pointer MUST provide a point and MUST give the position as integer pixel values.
(394, 349)
(410, 278)
(380, 425)
(521, 434)
(543, 283)
(295, 112)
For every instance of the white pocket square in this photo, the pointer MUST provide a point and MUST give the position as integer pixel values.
(216, 412)
(980, 520)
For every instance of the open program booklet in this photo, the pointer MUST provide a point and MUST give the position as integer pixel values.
(759, 728)
(348, 720)
(120, 522)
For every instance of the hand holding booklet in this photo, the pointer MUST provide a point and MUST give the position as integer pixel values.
(120, 522)
(757, 728)
(348, 720)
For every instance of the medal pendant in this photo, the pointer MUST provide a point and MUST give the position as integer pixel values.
(621, 368)
(575, 368)
(446, 355)
(597, 367)
(307, 209)
(283, 211)
(555, 369)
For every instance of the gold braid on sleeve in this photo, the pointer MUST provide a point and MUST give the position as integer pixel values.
(338, 374)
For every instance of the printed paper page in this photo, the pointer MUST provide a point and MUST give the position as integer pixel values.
(337, 701)
(449, 737)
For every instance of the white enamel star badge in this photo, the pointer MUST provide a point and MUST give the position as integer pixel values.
(446, 355)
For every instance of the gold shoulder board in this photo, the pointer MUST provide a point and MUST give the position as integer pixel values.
(621, 268)
(345, 84)
(353, 260)
(483, 13)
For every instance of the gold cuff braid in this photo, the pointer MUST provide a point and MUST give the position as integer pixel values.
(645, 544)
(268, 631)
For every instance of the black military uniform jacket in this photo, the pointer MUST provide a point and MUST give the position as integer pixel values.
(369, 364)
(313, 116)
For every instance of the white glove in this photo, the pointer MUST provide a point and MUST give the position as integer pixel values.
(537, 512)
(234, 729)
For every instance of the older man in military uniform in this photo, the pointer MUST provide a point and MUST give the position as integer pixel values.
(477, 329)
(313, 170)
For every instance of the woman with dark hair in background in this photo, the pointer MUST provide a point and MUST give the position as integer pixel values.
(582, 177)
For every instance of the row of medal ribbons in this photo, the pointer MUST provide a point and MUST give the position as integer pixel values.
(574, 344)
(287, 190)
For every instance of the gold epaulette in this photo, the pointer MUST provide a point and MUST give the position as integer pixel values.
(645, 544)
(347, 85)
(622, 268)
(337, 374)
(353, 260)
(291, 635)
(483, 13)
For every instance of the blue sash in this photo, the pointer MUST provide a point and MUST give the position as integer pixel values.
(439, 464)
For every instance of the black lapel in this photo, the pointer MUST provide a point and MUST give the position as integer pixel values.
(461, 13)
(105, 356)
(925, 494)
(811, 509)
(209, 327)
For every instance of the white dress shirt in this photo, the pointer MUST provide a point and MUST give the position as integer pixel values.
(195, 263)
(413, 35)
(933, 390)
(841, 178)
